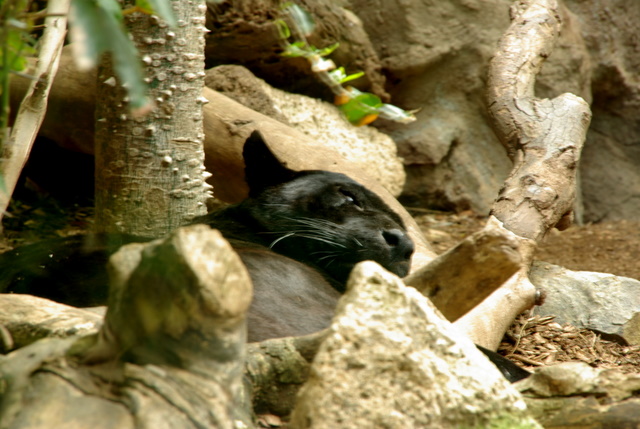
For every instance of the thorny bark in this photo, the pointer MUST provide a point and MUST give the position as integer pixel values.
(150, 176)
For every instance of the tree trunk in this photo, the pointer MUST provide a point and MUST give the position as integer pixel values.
(150, 176)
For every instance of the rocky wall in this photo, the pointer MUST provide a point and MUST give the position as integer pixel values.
(433, 56)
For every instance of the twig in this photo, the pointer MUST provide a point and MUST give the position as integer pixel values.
(527, 360)
(519, 338)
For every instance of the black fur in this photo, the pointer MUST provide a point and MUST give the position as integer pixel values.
(509, 370)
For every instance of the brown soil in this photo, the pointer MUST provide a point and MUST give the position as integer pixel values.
(610, 247)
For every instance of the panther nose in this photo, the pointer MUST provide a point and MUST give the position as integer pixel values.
(399, 242)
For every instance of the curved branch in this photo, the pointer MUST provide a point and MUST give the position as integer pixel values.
(543, 137)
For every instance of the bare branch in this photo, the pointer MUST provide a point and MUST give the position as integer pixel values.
(544, 139)
(461, 278)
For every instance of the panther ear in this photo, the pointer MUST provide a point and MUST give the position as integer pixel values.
(261, 167)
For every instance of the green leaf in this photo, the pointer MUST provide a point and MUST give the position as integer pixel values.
(18, 44)
(369, 100)
(297, 49)
(328, 50)
(144, 6)
(17, 50)
(337, 74)
(350, 77)
(360, 106)
(111, 7)
(96, 27)
(162, 8)
(283, 29)
(129, 69)
(87, 31)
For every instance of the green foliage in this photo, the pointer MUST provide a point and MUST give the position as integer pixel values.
(16, 44)
(360, 108)
(97, 27)
(19, 45)
(283, 29)
(302, 49)
(339, 75)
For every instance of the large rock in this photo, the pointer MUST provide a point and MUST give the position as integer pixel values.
(28, 318)
(364, 147)
(243, 32)
(602, 302)
(611, 157)
(433, 56)
(436, 56)
(574, 395)
(391, 361)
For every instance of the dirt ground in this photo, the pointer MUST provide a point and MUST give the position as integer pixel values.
(610, 247)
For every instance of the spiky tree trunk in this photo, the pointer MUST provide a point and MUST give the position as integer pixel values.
(150, 176)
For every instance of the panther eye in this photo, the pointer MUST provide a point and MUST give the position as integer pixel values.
(349, 197)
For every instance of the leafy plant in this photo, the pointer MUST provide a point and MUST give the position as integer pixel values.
(360, 108)
(16, 44)
(97, 27)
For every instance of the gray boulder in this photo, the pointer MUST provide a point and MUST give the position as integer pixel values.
(574, 395)
(602, 302)
(392, 361)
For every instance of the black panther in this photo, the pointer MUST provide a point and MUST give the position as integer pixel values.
(299, 234)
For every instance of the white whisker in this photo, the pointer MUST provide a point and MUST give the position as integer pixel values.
(281, 238)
